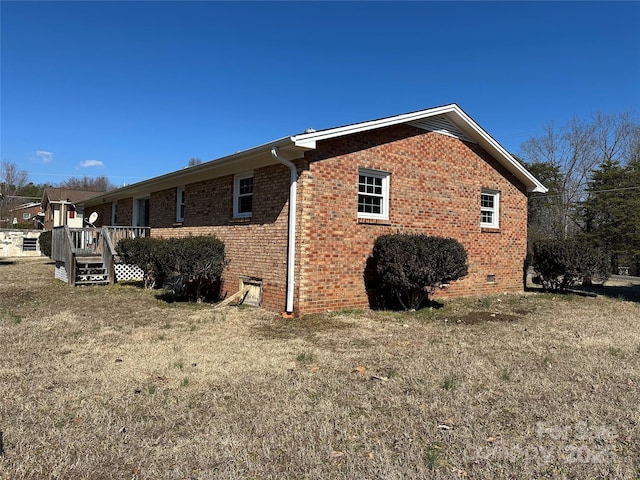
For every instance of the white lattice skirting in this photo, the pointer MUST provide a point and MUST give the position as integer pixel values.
(61, 272)
(125, 271)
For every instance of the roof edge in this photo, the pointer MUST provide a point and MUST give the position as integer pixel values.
(308, 141)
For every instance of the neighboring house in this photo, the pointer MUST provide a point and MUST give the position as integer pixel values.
(28, 213)
(299, 216)
(60, 207)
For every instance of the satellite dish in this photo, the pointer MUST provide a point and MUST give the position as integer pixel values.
(93, 217)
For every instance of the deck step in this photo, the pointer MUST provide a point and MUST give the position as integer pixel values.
(91, 271)
(89, 259)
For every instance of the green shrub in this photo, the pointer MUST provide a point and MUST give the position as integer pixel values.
(45, 243)
(559, 264)
(198, 260)
(412, 267)
(192, 264)
(141, 252)
(23, 226)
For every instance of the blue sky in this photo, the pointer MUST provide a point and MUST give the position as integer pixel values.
(132, 90)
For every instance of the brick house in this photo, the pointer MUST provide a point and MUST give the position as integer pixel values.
(30, 212)
(299, 215)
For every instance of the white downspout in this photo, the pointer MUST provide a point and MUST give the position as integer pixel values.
(291, 243)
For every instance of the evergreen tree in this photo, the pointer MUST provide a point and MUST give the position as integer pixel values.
(612, 211)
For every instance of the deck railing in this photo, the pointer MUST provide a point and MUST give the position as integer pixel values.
(69, 243)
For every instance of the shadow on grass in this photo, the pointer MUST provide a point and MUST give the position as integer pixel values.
(169, 297)
(7, 262)
(132, 283)
(628, 290)
(630, 293)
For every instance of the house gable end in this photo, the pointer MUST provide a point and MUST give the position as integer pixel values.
(443, 126)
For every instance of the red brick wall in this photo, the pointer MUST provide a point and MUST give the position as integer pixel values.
(435, 187)
(211, 202)
(125, 211)
(103, 211)
(162, 208)
(256, 246)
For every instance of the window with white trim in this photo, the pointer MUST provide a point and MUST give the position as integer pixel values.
(180, 204)
(373, 194)
(243, 195)
(489, 208)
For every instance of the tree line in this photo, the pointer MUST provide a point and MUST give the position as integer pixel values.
(592, 171)
(16, 189)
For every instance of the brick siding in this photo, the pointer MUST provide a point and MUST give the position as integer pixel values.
(256, 247)
(103, 211)
(125, 211)
(435, 187)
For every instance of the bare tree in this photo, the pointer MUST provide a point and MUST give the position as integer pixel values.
(12, 181)
(194, 161)
(576, 150)
(617, 137)
(90, 184)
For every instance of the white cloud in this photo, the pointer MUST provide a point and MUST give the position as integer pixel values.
(91, 163)
(44, 156)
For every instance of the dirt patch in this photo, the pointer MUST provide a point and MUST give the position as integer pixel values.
(307, 327)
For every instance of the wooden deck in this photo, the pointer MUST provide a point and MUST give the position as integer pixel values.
(86, 256)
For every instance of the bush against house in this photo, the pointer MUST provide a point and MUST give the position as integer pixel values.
(560, 264)
(191, 265)
(412, 267)
(142, 252)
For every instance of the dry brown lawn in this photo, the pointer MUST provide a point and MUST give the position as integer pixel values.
(111, 382)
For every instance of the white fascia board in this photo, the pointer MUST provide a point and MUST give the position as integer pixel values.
(293, 147)
(455, 114)
(243, 160)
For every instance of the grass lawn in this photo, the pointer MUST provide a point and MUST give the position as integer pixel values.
(110, 382)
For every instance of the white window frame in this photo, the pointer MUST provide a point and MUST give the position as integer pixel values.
(383, 195)
(180, 204)
(237, 195)
(494, 210)
(114, 212)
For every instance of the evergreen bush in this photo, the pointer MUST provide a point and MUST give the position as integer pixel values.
(45, 243)
(193, 264)
(412, 267)
(560, 264)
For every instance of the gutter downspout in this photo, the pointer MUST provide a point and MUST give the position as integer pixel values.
(291, 241)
